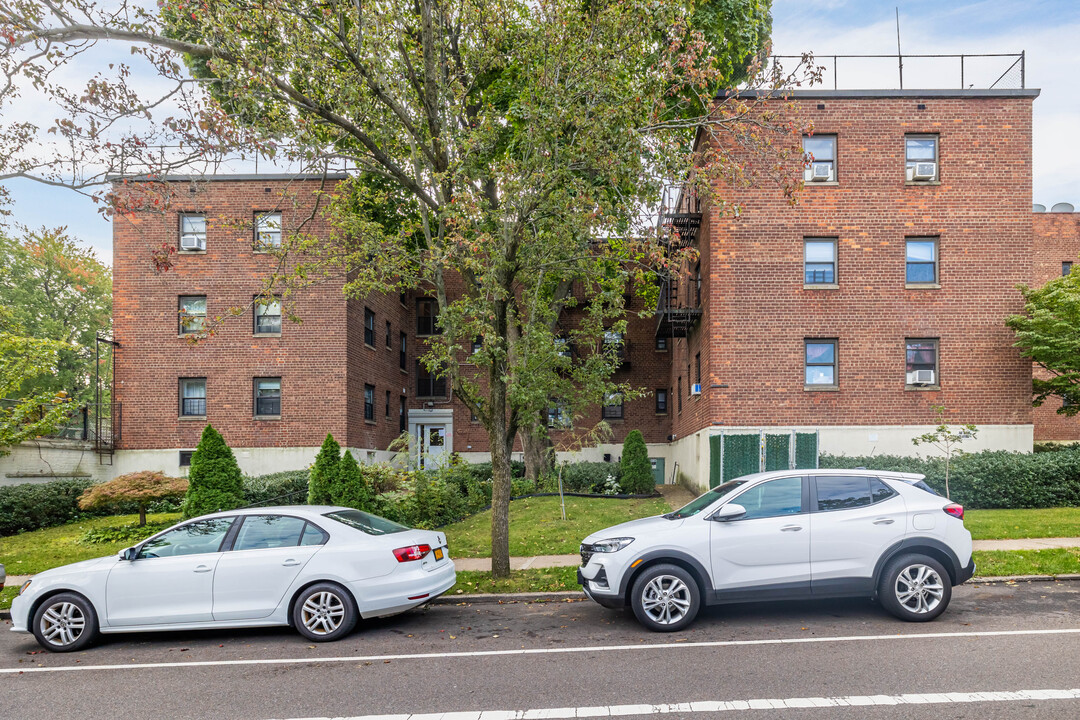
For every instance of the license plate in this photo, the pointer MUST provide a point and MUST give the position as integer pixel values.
(438, 553)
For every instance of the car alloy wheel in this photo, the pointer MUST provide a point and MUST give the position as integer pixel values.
(665, 598)
(65, 623)
(324, 612)
(919, 588)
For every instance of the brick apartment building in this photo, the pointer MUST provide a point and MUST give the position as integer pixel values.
(850, 315)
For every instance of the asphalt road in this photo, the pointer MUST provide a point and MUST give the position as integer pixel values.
(825, 659)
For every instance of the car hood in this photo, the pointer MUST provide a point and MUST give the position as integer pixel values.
(82, 566)
(628, 529)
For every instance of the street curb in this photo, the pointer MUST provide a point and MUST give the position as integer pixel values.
(1022, 578)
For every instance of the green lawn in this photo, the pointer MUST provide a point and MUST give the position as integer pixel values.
(1011, 524)
(32, 552)
(6, 596)
(537, 527)
(1056, 561)
(558, 579)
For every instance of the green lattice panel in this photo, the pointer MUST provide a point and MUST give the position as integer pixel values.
(716, 471)
(806, 450)
(742, 455)
(777, 452)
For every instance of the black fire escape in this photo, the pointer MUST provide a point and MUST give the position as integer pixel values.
(679, 307)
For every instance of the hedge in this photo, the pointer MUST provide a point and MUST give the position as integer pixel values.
(989, 479)
(40, 505)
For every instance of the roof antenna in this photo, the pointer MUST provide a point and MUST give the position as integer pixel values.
(899, 55)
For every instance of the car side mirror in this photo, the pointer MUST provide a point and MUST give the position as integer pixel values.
(731, 511)
(127, 553)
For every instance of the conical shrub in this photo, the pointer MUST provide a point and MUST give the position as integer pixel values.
(637, 476)
(214, 481)
(323, 472)
(351, 487)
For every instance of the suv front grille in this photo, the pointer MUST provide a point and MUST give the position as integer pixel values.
(586, 554)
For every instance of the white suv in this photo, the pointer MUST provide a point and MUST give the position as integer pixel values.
(782, 535)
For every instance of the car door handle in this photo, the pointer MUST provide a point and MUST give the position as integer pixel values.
(884, 521)
(791, 528)
(291, 563)
(203, 568)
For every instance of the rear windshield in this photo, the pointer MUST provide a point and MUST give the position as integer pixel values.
(923, 486)
(700, 503)
(371, 524)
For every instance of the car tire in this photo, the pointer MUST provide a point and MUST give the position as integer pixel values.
(324, 612)
(65, 623)
(915, 588)
(665, 598)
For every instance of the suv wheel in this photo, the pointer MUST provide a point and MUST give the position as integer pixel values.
(915, 588)
(665, 598)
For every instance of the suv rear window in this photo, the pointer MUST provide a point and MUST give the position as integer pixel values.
(923, 486)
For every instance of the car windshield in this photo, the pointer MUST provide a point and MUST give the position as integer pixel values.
(700, 503)
(371, 524)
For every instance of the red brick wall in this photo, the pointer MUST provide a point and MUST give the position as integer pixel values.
(759, 312)
(1057, 240)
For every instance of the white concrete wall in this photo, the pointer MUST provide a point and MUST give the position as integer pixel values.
(252, 461)
(41, 461)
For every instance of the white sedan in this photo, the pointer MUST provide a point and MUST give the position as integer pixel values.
(318, 569)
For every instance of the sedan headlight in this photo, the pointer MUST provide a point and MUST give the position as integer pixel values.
(24, 586)
(611, 545)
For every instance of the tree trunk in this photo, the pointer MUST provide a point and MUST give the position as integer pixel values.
(539, 454)
(142, 515)
(500, 500)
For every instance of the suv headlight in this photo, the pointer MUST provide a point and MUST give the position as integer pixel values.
(611, 545)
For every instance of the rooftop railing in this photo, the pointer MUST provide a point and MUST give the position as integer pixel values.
(987, 71)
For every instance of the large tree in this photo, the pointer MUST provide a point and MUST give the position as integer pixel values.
(58, 290)
(505, 152)
(24, 362)
(1048, 332)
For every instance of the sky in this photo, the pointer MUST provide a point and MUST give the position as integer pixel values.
(1048, 30)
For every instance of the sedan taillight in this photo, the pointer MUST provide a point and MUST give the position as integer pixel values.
(413, 552)
(957, 511)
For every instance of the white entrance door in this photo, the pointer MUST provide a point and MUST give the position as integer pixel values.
(432, 445)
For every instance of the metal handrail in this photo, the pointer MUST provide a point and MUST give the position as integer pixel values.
(1020, 59)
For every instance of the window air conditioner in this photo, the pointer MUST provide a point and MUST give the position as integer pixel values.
(821, 171)
(925, 171)
(695, 389)
(192, 242)
(923, 377)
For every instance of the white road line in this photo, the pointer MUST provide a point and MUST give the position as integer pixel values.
(540, 651)
(724, 705)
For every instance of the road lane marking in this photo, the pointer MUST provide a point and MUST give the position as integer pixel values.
(724, 705)
(541, 651)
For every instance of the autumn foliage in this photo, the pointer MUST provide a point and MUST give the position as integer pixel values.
(143, 488)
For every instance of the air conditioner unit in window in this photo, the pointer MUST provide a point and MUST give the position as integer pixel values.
(821, 171)
(922, 377)
(924, 171)
(192, 242)
(695, 389)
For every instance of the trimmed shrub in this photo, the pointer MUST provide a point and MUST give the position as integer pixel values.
(33, 506)
(636, 471)
(323, 471)
(989, 479)
(142, 488)
(349, 487)
(589, 477)
(280, 488)
(214, 480)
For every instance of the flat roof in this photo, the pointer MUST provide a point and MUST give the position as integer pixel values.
(822, 94)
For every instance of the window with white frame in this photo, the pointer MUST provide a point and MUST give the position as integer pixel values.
(267, 397)
(819, 261)
(821, 158)
(921, 158)
(192, 232)
(267, 231)
(192, 397)
(821, 363)
(267, 316)
(192, 313)
(922, 261)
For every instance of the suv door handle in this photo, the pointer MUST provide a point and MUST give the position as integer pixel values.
(291, 563)
(791, 528)
(884, 521)
(203, 568)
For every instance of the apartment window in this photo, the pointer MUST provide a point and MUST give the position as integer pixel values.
(369, 327)
(558, 415)
(388, 335)
(268, 397)
(401, 354)
(661, 343)
(192, 314)
(267, 231)
(402, 424)
(697, 369)
(661, 402)
(477, 345)
(613, 407)
(921, 158)
(185, 457)
(678, 392)
(821, 363)
(922, 257)
(821, 163)
(369, 402)
(387, 404)
(267, 316)
(1066, 267)
(819, 261)
(427, 316)
(564, 348)
(192, 232)
(922, 362)
(429, 384)
(193, 397)
(615, 343)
